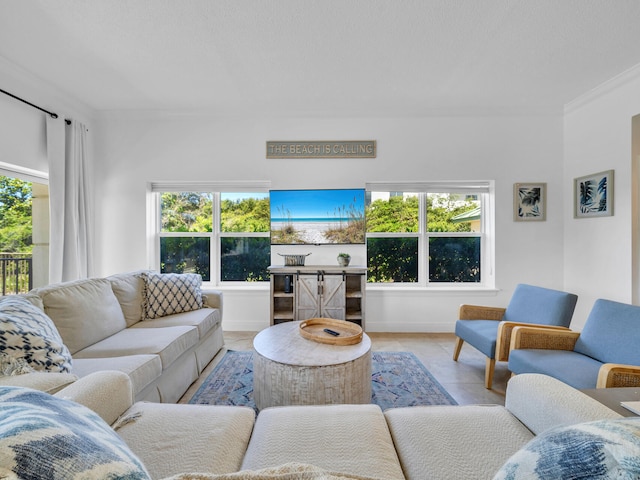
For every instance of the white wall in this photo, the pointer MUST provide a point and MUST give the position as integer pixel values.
(22, 128)
(599, 252)
(132, 150)
(23, 138)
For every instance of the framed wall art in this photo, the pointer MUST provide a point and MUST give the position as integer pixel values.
(593, 195)
(529, 202)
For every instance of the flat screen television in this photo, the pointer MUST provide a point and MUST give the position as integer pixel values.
(317, 217)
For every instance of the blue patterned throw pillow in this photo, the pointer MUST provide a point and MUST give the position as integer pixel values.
(604, 449)
(28, 335)
(45, 437)
(168, 293)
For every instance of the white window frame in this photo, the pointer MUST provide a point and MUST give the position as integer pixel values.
(154, 221)
(485, 189)
(23, 173)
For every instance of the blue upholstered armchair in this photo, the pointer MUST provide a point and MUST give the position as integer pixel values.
(488, 329)
(605, 354)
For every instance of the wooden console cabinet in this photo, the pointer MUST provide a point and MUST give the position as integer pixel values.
(313, 291)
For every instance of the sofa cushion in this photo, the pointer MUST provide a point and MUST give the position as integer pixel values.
(172, 438)
(453, 442)
(49, 382)
(204, 319)
(611, 333)
(168, 343)
(351, 439)
(575, 369)
(33, 299)
(129, 290)
(167, 293)
(600, 449)
(42, 435)
(29, 340)
(84, 311)
(143, 370)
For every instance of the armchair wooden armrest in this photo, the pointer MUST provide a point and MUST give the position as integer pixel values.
(613, 375)
(505, 329)
(543, 338)
(478, 312)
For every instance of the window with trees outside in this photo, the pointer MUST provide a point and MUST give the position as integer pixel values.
(434, 234)
(24, 230)
(230, 228)
(418, 235)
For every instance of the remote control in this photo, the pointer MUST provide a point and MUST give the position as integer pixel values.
(331, 332)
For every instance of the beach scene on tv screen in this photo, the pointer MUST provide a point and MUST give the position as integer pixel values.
(317, 216)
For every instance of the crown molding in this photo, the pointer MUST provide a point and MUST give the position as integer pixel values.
(37, 90)
(603, 89)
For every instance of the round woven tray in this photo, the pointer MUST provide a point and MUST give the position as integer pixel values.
(313, 329)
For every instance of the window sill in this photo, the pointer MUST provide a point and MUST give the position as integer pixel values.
(433, 291)
(374, 289)
(248, 286)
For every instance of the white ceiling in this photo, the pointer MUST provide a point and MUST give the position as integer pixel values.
(323, 57)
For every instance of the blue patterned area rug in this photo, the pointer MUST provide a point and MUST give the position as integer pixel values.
(398, 379)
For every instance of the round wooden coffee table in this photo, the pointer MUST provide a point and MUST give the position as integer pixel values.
(288, 369)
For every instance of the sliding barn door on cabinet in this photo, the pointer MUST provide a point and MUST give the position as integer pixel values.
(320, 295)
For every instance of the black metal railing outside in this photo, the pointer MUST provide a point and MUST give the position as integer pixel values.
(16, 273)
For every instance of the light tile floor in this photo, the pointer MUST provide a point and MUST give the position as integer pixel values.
(463, 379)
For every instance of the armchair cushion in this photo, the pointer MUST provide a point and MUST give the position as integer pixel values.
(579, 371)
(611, 333)
(479, 333)
(538, 305)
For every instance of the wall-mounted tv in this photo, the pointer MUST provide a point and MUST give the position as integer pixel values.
(317, 217)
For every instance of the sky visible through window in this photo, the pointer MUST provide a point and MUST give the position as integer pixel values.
(315, 204)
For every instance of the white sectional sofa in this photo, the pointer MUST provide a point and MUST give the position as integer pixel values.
(356, 441)
(161, 330)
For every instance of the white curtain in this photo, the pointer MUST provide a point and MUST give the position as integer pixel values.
(70, 203)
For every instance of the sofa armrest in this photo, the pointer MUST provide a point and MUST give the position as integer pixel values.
(541, 402)
(109, 393)
(48, 382)
(505, 329)
(613, 375)
(212, 299)
(543, 338)
(479, 312)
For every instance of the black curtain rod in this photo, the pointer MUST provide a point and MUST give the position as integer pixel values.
(51, 114)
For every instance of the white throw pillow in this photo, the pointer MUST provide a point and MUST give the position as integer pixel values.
(28, 336)
(169, 293)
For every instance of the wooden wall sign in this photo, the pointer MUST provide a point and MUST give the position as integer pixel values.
(322, 149)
